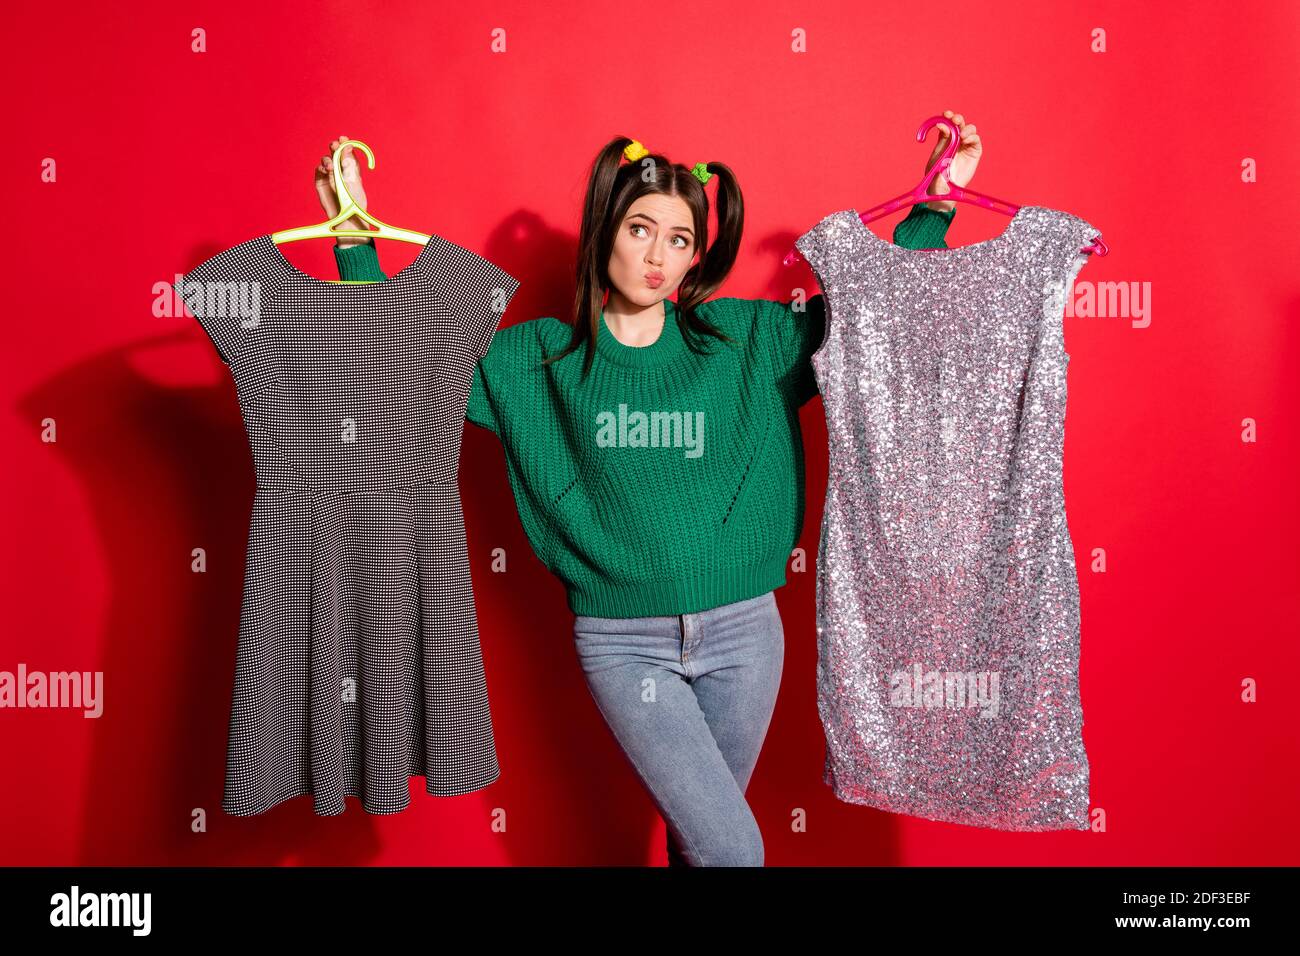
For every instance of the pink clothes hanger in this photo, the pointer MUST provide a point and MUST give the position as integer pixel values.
(955, 192)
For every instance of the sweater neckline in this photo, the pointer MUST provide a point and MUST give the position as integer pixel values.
(661, 351)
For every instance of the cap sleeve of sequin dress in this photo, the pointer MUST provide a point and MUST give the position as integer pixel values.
(1082, 233)
(476, 290)
(1073, 234)
(818, 243)
(829, 248)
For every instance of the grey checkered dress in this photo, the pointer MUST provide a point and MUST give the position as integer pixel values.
(359, 662)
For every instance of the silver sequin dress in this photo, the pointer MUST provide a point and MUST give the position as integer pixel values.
(947, 596)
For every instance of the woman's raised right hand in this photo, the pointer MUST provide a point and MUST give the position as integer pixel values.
(324, 179)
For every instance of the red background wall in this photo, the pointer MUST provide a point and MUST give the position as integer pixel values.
(166, 156)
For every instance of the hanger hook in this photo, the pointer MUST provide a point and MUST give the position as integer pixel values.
(954, 139)
(345, 198)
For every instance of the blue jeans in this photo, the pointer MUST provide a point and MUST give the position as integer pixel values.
(689, 698)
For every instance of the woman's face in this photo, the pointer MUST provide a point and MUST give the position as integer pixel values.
(654, 247)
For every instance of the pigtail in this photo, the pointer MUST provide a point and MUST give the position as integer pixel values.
(589, 290)
(706, 276)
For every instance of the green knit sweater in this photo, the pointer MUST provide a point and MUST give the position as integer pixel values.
(669, 480)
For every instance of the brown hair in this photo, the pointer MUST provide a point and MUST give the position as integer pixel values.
(611, 190)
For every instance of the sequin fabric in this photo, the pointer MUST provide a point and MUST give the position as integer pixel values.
(947, 596)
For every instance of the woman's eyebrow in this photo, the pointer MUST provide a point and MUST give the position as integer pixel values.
(652, 219)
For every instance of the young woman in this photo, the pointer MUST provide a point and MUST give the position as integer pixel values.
(654, 451)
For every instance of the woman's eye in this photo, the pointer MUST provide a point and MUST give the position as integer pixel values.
(640, 230)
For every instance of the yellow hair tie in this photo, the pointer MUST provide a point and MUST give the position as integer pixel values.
(634, 151)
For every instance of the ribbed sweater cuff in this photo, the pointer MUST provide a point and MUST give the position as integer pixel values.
(358, 263)
(601, 597)
(924, 228)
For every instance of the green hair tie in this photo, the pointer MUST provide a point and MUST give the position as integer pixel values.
(701, 172)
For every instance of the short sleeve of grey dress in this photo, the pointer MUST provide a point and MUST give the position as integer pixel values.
(947, 597)
(358, 663)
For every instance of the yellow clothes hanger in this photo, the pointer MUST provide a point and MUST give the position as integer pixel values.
(347, 209)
